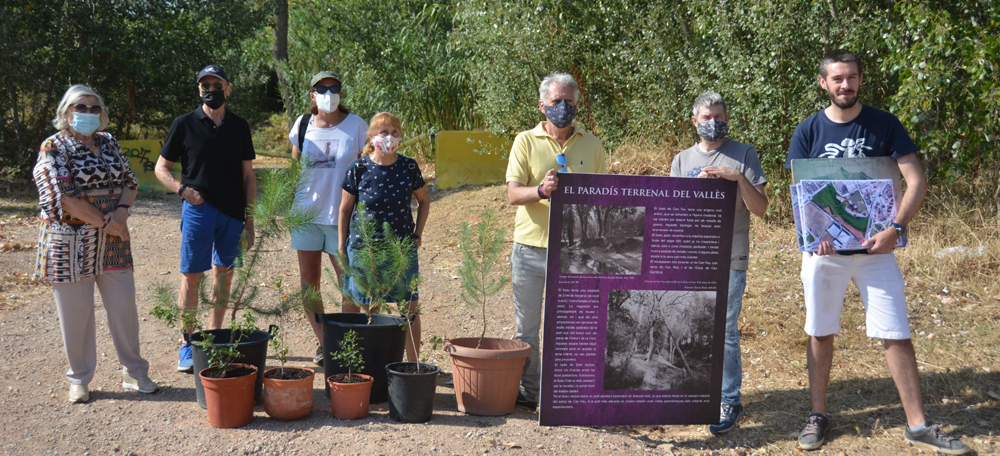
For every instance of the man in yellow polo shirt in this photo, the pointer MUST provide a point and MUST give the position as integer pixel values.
(537, 157)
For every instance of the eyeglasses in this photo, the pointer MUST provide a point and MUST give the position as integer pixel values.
(207, 86)
(93, 109)
(561, 159)
(323, 89)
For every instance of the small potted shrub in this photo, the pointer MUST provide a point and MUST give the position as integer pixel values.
(274, 214)
(228, 386)
(288, 391)
(378, 266)
(411, 385)
(486, 371)
(350, 392)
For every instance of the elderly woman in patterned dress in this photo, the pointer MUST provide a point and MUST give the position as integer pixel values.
(86, 190)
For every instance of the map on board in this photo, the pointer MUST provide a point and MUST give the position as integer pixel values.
(843, 212)
(841, 169)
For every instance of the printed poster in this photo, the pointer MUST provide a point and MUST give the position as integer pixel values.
(832, 200)
(635, 300)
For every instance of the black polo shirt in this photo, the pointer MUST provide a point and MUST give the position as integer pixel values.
(212, 157)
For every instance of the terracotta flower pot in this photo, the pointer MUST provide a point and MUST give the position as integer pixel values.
(487, 378)
(229, 400)
(288, 399)
(349, 401)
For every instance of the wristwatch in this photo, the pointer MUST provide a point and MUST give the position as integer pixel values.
(900, 229)
(127, 208)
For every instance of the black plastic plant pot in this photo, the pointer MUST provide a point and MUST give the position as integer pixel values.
(252, 348)
(382, 342)
(411, 395)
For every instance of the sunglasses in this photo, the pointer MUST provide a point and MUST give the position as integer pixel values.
(322, 90)
(208, 86)
(561, 160)
(93, 109)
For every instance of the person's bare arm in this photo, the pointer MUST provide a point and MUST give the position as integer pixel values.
(347, 203)
(423, 209)
(250, 190)
(519, 194)
(916, 190)
(164, 171)
(753, 195)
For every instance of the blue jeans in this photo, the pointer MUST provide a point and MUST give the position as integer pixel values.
(732, 366)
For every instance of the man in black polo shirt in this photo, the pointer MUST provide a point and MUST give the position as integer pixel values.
(216, 154)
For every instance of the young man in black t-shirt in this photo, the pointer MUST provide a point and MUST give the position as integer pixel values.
(847, 128)
(217, 183)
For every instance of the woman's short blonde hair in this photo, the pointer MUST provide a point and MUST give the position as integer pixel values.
(379, 121)
(73, 95)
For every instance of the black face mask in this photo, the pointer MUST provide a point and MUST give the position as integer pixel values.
(214, 99)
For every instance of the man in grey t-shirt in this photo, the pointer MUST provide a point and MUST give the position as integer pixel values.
(720, 157)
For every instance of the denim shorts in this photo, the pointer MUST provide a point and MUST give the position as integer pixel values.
(208, 237)
(410, 274)
(314, 237)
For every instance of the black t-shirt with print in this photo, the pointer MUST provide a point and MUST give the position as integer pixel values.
(386, 192)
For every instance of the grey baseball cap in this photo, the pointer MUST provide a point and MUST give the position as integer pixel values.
(323, 75)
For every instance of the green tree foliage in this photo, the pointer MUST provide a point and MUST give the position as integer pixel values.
(394, 56)
(142, 56)
(947, 55)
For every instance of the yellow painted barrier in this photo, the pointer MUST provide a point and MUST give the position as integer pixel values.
(470, 157)
(142, 156)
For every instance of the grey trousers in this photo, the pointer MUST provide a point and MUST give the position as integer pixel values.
(75, 304)
(527, 275)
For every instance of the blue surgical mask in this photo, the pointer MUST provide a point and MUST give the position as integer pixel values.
(561, 114)
(713, 130)
(85, 123)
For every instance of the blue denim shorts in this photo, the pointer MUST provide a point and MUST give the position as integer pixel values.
(208, 237)
(410, 274)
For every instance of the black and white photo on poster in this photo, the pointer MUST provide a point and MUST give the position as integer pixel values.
(602, 239)
(659, 340)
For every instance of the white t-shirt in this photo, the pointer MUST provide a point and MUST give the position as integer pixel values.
(329, 152)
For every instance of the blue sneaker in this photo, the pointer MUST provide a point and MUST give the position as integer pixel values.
(185, 363)
(730, 415)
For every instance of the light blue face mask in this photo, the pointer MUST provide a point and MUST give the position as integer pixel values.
(86, 123)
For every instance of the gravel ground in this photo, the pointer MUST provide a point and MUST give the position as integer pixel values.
(38, 419)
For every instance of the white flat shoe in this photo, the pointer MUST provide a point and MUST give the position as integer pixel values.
(78, 393)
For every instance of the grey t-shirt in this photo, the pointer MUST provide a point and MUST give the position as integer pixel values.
(736, 155)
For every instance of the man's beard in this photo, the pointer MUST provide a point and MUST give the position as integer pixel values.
(847, 103)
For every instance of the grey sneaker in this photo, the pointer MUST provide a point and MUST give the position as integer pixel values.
(78, 393)
(814, 434)
(142, 384)
(934, 438)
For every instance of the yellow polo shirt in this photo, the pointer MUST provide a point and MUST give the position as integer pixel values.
(532, 155)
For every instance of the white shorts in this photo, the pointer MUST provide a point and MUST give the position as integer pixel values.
(877, 277)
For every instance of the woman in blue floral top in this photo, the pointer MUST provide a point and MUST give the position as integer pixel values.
(386, 183)
(85, 191)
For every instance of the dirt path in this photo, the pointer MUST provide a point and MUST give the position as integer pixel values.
(37, 419)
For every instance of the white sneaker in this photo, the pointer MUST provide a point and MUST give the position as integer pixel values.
(143, 384)
(78, 393)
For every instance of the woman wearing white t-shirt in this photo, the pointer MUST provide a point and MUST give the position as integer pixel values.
(332, 139)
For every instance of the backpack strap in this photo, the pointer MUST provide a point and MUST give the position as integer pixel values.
(413, 175)
(357, 174)
(303, 125)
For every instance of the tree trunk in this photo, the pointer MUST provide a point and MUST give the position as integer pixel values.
(281, 53)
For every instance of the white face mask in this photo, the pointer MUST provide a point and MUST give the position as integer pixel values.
(327, 102)
(386, 144)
